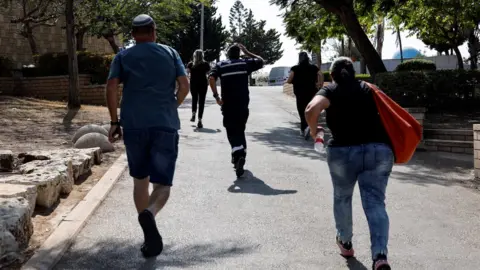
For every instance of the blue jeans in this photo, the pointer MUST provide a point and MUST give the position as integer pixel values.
(152, 152)
(370, 164)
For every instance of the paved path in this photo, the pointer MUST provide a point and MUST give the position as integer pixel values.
(280, 217)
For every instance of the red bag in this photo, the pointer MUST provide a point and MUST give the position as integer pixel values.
(404, 130)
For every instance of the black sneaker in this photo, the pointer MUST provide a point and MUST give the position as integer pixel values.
(153, 244)
(239, 170)
(381, 263)
(199, 125)
(193, 118)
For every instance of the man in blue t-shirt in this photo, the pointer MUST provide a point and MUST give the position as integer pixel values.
(149, 117)
(234, 74)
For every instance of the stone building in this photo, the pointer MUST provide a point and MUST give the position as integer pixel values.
(48, 39)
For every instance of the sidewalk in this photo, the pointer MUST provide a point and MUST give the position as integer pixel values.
(281, 216)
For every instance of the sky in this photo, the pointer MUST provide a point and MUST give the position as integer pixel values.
(263, 10)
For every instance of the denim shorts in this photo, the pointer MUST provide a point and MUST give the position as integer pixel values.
(152, 152)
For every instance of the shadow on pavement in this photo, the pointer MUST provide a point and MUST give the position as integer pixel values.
(252, 185)
(115, 254)
(354, 264)
(207, 130)
(445, 169)
(287, 140)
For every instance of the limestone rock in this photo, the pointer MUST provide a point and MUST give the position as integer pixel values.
(48, 183)
(8, 247)
(63, 167)
(87, 130)
(106, 127)
(95, 140)
(82, 159)
(29, 193)
(6, 160)
(15, 216)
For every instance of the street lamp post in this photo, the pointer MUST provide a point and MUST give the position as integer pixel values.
(202, 26)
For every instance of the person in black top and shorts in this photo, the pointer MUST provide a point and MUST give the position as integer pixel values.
(198, 70)
(360, 150)
(306, 79)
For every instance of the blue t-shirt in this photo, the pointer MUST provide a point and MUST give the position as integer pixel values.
(148, 72)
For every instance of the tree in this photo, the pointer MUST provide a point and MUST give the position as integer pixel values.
(35, 13)
(474, 47)
(346, 12)
(237, 19)
(187, 40)
(254, 36)
(73, 92)
(442, 25)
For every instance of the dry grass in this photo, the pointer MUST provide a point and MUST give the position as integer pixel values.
(32, 124)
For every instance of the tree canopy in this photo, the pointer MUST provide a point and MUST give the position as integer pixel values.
(253, 35)
(187, 40)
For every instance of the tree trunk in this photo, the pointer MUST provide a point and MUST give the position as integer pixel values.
(473, 49)
(459, 58)
(342, 42)
(349, 44)
(73, 92)
(319, 58)
(399, 37)
(111, 40)
(31, 39)
(350, 21)
(363, 66)
(380, 36)
(80, 37)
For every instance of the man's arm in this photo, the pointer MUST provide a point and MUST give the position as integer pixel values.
(183, 88)
(113, 82)
(182, 79)
(313, 111)
(290, 77)
(212, 80)
(249, 54)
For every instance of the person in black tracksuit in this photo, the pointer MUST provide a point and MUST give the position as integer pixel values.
(234, 74)
(198, 70)
(306, 79)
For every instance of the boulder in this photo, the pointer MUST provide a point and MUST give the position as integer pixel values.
(95, 140)
(8, 247)
(6, 160)
(107, 128)
(61, 166)
(48, 183)
(28, 192)
(87, 130)
(15, 217)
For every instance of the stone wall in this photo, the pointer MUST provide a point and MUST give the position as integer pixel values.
(476, 137)
(54, 88)
(48, 39)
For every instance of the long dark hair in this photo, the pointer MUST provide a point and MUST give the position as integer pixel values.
(343, 71)
(303, 58)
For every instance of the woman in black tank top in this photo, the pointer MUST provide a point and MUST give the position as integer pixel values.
(359, 151)
(198, 70)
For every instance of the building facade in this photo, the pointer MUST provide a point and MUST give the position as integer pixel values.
(48, 39)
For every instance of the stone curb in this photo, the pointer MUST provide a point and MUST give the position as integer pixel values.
(52, 250)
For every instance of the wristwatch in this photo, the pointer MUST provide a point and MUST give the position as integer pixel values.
(115, 123)
(215, 96)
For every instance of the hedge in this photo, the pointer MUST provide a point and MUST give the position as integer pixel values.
(416, 65)
(452, 90)
(55, 64)
(6, 66)
(363, 77)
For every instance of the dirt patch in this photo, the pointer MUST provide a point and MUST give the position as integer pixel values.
(32, 124)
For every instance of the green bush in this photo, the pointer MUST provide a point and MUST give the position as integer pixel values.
(417, 65)
(56, 64)
(6, 66)
(452, 90)
(363, 77)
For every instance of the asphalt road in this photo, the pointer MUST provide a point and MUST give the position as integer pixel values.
(280, 216)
